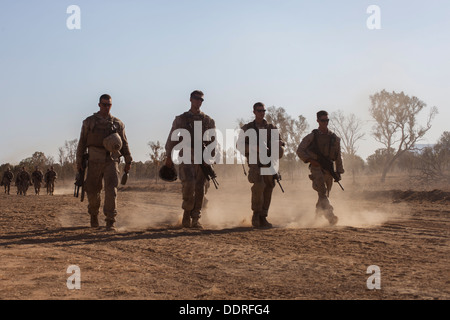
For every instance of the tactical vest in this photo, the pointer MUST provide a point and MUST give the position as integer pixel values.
(7, 177)
(187, 122)
(37, 175)
(24, 176)
(99, 129)
(268, 128)
(328, 150)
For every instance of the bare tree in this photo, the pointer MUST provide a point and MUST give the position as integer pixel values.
(70, 148)
(157, 155)
(396, 127)
(348, 128)
(61, 156)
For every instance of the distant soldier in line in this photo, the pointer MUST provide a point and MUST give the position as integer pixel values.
(322, 142)
(103, 137)
(17, 184)
(37, 177)
(263, 185)
(45, 179)
(24, 181)
(7, 179)
(191, 175)
(50, 178)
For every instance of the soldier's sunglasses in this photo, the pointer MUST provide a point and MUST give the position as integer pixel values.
(324, 120)
(261, 110)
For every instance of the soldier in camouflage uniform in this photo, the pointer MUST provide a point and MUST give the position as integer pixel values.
(37, 177)
(191, 175)
(263, 185)
(50, 178)
(7, 179)
(328, 144)
(103, 165)
(24, 181)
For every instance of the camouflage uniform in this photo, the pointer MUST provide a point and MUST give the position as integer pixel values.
(191, 175)
(262, 184)
(50, 178)
(322, 181)
(37, 177)
(7, 179)
(102, 164)
(24, 181)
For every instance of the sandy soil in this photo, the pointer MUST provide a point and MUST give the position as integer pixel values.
(405, 233)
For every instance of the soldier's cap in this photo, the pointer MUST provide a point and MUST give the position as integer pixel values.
(197, 94)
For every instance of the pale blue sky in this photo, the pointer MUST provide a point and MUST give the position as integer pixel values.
(149, 55)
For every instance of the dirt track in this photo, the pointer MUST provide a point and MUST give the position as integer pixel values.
(405, 234)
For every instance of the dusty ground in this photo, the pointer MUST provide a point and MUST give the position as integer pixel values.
(405, 233)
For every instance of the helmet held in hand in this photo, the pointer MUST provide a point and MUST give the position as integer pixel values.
(168, 174)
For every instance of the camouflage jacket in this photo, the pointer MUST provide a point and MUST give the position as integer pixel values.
(8, 175)
(186, 121)
(37, 175)
(96, 128)
(329, 144)
(244, 146)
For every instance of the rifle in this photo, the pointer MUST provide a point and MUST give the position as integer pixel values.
(79, 179)
(208, 170)
(209, 173)
(327, 165)
(277, 177)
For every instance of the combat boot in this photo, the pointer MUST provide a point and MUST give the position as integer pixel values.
(255, 220)
(263, 223)
(196, 223)
(186, 222)
(333, 220)
(94, 221)
(110, 225)
(329, 214)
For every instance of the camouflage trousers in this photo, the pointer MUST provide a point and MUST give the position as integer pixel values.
(37, 186)
(22, 187)
(193, 188)
(96, 173)
(261, 190)
(7, 186)
(50, 187)
(322, 183)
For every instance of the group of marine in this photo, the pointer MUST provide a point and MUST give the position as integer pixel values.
(103, 142)
(24, 180)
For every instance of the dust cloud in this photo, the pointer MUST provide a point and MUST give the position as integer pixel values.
(230, 207)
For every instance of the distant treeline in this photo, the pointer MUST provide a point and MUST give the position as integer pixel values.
(395, 127)
(428, 164)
